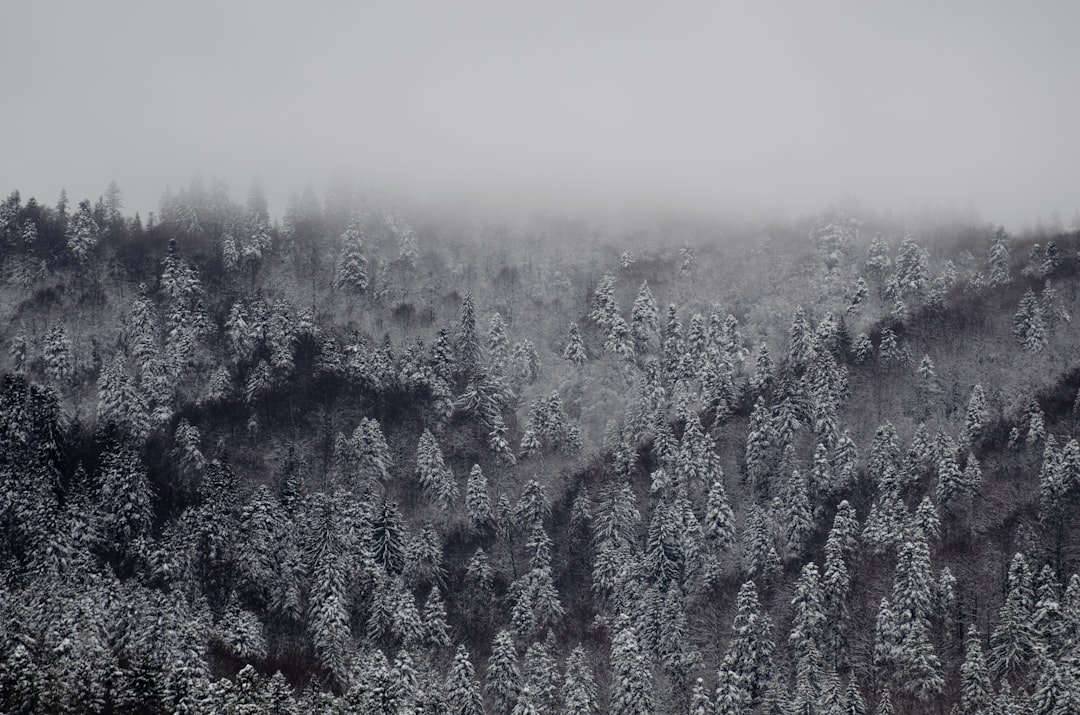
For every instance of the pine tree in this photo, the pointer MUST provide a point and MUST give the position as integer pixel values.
(436, 631)
(750, 650)
(56, 350)
(1012, 641)
(975, 417)
(632, 686)
(927, 376)
(579, 688)
(808, 623)
(853, 701)
(759, 440)
(730, 696)
(644, 321)
(436, 479)
(477, 500)
(604, 309)
(82, 232)
(533, 506)
(798, 519)
(352, 266)
(975, 691)
(999, 260)
(863, 349)
(719, 523)
(462, 692)
(328, 604)
(541, 675)
(1053, 696)
(467, 353)
(800, 339)
(700, 702)
(1028, 323)
(126, 511)
(503, 676)
(575, 348)
(388, 537)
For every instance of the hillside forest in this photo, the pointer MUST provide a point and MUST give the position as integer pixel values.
(373, 457)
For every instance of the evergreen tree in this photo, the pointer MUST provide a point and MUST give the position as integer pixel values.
(863, 349)
(468, 343)
(462, 692)
(853, 701)
(579, 688)
(975, 417)
(808, 622)
(82, 232)
(644, 321)
(800, 339)
(750, 650)
(1012, 642)
(503, 676)
(759, 440)
(975, 691)
(604, 309)
(1028, 323)
(477, 500)
(542, 676)
(719, 523)
(436, 631)
(999, 260)
(56, 350)
(352, 266)
(575, 348)
(632, 686)
(328, 610)
(436, 479)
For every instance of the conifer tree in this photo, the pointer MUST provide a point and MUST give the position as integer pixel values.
(632, 686)
(503, 676)
(853, 700)
(797, 517)
(575, 348)
(976, 693)
(435, 476)
(541, 675)
(477, 500)
(800, 339)
(808, 623)
(352, 266)
(436, 631)
(863, 349)
(975, 417)
(1029, 326)
(388, 537)
(56, 349)
(467, 352)
(999, 260)
(719, 523)
(82, 232)
(644, 321)
(700, 702)
(759, 440)
(462, 692)
(579, 688)
(604, 309)
(750, 650)
(1012, 642)
(328, 617)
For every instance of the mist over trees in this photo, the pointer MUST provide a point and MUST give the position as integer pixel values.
(376, 458)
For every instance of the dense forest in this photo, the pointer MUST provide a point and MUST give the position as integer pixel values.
(373, 457)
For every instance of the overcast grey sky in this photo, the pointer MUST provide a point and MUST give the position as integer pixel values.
(705, 105)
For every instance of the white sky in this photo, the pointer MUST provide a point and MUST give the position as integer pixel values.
(711, 105)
